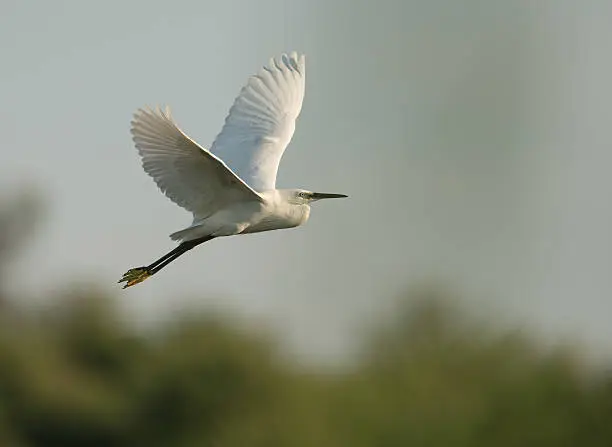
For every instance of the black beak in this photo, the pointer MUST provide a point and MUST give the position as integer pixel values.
(324, 195)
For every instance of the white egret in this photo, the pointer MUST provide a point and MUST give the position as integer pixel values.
(231, 188)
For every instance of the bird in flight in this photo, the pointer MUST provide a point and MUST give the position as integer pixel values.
(231, 188)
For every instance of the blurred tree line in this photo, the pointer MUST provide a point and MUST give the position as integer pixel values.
(75, 375)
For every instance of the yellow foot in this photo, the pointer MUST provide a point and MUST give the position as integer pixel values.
(134, 276)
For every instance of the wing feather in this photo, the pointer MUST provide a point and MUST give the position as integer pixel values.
(261, 122)
(186, 173)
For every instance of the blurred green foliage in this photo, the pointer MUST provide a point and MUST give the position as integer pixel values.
(74, 374)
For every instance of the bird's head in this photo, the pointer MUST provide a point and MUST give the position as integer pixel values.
(304, 197)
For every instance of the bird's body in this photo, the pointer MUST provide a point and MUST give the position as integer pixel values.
(274, 212)
(279, 211)
(230, 189)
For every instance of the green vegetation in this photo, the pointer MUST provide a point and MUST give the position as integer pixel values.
(79, 378)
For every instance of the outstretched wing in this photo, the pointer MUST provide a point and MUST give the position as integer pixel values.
(189, 175)
(261, 122)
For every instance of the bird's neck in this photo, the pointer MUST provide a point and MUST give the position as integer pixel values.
(293, 214)
(299, 214)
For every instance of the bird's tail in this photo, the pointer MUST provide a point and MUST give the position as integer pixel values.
(189, 233)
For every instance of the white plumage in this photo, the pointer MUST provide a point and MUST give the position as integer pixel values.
(230, 189)
(189, 175)
(261, 122)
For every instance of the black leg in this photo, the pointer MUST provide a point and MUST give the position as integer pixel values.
(139, 274)
(164, 257)
(174, 254)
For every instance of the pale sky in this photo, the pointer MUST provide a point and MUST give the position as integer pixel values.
(473, 139)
